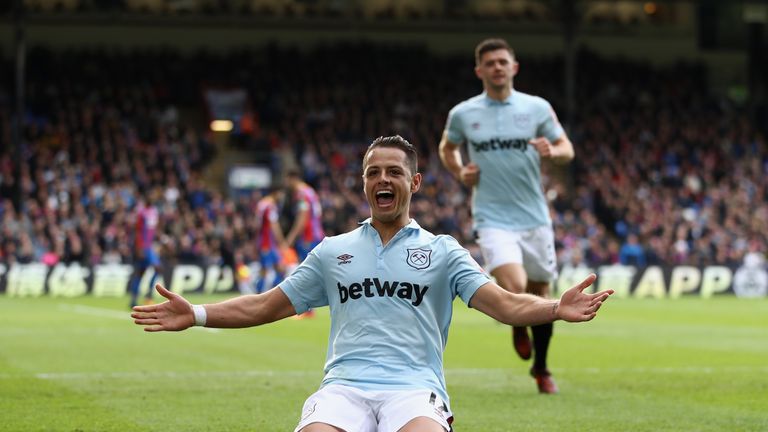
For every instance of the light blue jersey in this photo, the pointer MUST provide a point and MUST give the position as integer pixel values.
(508, 194)
(390, 305)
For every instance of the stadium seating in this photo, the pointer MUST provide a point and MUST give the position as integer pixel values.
(106, 126)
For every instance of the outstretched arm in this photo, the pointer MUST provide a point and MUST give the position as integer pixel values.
(245, 311)
(528, 309)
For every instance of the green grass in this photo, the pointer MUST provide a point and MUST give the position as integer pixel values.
(79, 364)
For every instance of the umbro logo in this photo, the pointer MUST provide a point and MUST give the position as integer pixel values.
(476, 125)
(344, 258)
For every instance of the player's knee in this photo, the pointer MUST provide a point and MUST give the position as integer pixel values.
(538, 288)
(512, 285)
(510, 279)
(422, 424)
(320, 427)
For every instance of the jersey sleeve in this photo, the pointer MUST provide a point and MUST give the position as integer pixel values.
(465, 276)
(305, 287)
(549, 125)
(454, 127)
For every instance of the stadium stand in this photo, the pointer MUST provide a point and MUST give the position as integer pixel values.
(660, 159)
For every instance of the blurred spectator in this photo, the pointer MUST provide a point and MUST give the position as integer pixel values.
(631, 253)
(659, 156)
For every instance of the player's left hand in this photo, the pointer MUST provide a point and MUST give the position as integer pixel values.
(576, 305)
(543, 146)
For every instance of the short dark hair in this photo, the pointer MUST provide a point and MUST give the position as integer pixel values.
(492, 44)
(276, 186)
(294, 173)
(396, 141)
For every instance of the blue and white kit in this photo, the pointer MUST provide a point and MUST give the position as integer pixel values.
(390, 306)
(508, 194)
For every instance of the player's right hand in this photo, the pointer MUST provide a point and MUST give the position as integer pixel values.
(469, 174)
(175, 314)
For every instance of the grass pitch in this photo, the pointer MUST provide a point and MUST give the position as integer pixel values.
(80, 364)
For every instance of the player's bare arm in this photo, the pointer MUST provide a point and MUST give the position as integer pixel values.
(176, 313)
(278, 233)
(525, 309)
(450, 155)
(560, 151)
(301, 221)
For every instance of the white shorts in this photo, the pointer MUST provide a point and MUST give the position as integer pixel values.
(533, 248)
(355, 410)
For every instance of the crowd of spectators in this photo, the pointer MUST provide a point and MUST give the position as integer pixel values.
(674, 174)
(665, 172)
(493, 10)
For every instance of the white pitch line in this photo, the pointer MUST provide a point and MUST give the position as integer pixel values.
(312, 373)
(671, 370)
(640, 370)
(171, 374)
(94, 311)
(109, 313)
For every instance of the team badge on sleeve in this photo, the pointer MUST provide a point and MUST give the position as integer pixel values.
(419, 258)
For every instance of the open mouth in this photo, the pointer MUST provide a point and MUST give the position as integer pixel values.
(385, 198)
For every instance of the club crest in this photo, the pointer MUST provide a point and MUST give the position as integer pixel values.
(419, 258)
(522, 120)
